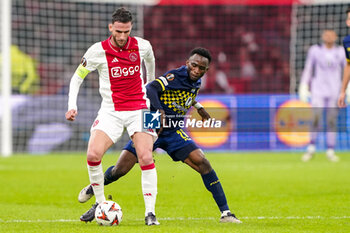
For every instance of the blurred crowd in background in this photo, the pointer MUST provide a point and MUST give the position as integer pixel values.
(250, 44)
(258, 51)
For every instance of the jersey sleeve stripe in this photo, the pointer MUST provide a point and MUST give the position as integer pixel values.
(165, 82)
(163, 88)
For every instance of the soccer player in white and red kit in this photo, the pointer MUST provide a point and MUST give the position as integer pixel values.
(322, 75)
(118, 61)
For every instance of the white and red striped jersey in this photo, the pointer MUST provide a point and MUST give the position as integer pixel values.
(120, 73)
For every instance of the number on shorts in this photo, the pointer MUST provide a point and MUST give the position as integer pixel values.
(183, 135)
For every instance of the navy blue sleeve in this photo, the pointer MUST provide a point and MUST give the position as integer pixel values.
(153, 90)
(346, 44)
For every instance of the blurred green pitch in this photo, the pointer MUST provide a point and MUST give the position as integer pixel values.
(269, 192)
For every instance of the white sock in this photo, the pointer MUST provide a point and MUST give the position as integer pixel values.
(311, 149)
(330, 152)
(149, 187)
(97, 180)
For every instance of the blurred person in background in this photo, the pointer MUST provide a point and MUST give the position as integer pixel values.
(321, 81)
(25, 77)
(216, 81)
(247, 68)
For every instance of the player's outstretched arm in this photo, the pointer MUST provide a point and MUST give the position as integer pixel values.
(74, 86)
(303, 92)
(87, 64)
(201, 111)
(154, 89)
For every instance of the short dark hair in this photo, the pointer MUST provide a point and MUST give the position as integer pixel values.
(121, 15)
(348, 10)
(201, 51)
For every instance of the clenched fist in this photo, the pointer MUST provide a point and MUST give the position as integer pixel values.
(71, 114)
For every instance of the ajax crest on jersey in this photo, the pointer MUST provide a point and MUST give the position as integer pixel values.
(108, 213)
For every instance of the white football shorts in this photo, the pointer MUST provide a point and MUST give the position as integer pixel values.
(113, 123)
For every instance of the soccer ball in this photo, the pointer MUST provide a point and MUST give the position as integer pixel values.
(108, 213)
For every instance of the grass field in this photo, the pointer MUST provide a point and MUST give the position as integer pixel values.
(269, 192)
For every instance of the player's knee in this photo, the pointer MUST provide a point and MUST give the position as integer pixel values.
(204, 166)
(93, 156)
(143, 161)
(145, 157)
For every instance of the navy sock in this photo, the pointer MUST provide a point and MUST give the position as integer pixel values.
(108, 176)
(212, 183)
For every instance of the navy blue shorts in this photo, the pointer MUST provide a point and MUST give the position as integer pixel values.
(176, 143)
